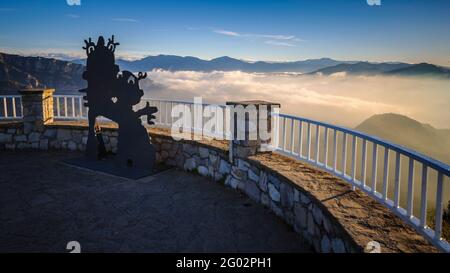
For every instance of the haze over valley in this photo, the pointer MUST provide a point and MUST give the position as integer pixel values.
(338, 98)
(344, 93)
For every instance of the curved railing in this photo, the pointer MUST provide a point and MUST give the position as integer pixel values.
(308, 140)
(409, 190)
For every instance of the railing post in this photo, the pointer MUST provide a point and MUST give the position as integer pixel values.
(37, 109)
(325, 147)
(245, 123)
(5, 107)
(14, 107)
(354, 150)
(397, 180)
(73, 107)
(80, 106)
(335, 151)
(285, 134)
(374, 167)
(385, 173)
(308, 142)
(439, 212)
(344, 153)
(292, 136)
(423, 196)
(58, 110)
(410, 202)
(317, 144)
(300, 139)
(363, 163)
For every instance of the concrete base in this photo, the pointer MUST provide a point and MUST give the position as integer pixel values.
(110, 167)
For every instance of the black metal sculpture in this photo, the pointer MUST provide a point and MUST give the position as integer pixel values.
(112, 94)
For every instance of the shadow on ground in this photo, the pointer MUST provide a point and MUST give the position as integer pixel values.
(45, 204)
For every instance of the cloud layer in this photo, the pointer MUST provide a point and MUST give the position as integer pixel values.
(128, 20)
(339, 99)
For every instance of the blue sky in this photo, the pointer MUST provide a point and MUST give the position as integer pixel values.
(398, 30)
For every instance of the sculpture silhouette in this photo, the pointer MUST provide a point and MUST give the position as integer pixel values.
(112, 94)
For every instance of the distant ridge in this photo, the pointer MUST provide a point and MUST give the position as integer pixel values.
(361, 68)
(410, 133)
(399, 69)
(224, 63)
(422, 69)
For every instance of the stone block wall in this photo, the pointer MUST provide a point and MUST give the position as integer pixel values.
(51, 137)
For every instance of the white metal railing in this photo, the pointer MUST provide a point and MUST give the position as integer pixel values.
(164, 117)
(71, 107)
(309, 140)
(10, 107)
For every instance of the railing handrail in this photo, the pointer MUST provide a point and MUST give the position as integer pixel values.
(10, 96)
(430, 162)
(67, 111)
(143, 99)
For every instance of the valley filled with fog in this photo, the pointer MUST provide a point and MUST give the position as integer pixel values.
(339, 98)
(419, 104)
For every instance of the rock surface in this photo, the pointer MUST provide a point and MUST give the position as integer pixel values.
(17, 72)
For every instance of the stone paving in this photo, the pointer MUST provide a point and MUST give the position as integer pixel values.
(44, 204)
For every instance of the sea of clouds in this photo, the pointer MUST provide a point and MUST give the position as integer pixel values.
(339, 98)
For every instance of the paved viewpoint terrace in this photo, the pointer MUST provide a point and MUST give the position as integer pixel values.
(45, 204)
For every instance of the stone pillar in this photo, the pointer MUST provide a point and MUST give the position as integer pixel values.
(37, 105)
(247, 138)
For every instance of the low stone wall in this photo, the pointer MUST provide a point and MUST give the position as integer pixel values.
(53, 136)
(322, 227)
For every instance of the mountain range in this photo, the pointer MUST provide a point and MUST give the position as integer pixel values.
(225, 63)
(323, 66)
(17, 72)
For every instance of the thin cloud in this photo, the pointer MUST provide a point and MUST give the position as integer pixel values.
(278, 43)
(129, 20)
(227, 33)
(276, 37)
(73, 2)
(273, 39)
